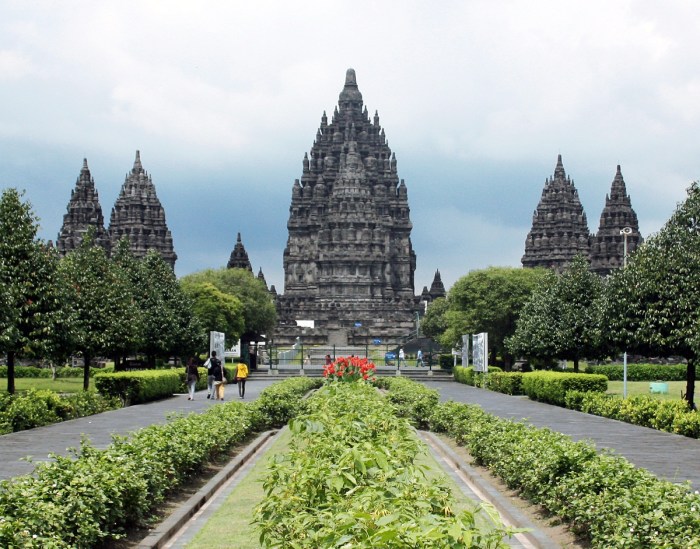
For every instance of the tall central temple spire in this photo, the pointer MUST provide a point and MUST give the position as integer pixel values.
(349, 263)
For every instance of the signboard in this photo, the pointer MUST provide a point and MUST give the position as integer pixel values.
(377, 341)
(480, 352)
(217, 342)
(358, 324)
(465, 350)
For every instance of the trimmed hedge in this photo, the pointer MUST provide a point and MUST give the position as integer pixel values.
(35, 408)
(601, 496)
(642, 372)
(468, 376)
(671, 416)
(551, 387)
(510, 383)
(84, 500)
(139, 386)
(33, 371)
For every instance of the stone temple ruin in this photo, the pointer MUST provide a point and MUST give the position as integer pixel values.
(560, 229)
(349, 263)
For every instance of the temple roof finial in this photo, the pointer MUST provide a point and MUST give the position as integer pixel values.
(350, 91)
(138, 168)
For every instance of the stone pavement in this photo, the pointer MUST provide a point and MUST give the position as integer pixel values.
(98, 429)
(673, 457)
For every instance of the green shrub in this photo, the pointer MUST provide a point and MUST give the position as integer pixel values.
(35, 372)
(89, 498)
(446, 361)
(138, 386)
(551, 387)
(468, 376)
(602, 497)
(510, 383)
(642, 372)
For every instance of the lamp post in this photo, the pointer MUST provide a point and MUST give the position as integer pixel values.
(625, 233)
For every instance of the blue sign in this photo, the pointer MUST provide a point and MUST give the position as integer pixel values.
(377, 341)
(358, 324)
(390, 356)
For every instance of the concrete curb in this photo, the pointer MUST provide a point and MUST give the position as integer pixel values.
(171, 525)
(508, 511)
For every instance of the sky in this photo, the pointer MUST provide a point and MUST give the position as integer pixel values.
(477, 99)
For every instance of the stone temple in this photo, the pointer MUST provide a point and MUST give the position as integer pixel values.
(560, 229)
(137, 214)
(349, 263)
(83, 212)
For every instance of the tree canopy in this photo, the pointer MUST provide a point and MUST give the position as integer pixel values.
(259, 313)
(653, 305)
(489, 300)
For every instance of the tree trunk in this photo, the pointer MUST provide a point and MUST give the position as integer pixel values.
(690, 384)
(86, 371)
(151, 361)
(11, 372)
(576, 364)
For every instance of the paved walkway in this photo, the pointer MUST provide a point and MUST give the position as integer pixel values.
(669, 456)
(673, 457)
(58, 438)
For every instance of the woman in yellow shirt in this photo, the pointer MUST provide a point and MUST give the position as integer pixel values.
(241, 376)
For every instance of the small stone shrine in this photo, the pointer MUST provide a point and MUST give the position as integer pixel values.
(239, 257)
(139, 215)
(349, 263)
(607, 246)
(83, 212)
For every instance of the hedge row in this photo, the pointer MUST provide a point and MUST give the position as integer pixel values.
(601, 496)
(35, 408)
(468, 376)
(87, 499)
(551, 387)
(139, 386)
(33, 371)
(642, 372)
(671, 416)
(350, 479)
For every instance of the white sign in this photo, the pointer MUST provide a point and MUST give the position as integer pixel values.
(217, 342)
(480, 352)
(465, 350)
(305, 323)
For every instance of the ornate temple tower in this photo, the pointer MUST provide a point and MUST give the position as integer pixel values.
(83, 211)
(559, 226)
(607, 246)
(239, 257)
(349, 263)
(138, 215)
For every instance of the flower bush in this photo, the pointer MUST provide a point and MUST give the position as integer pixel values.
(350, 369)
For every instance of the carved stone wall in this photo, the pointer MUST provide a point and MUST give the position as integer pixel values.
(349, 263)
(139, 215)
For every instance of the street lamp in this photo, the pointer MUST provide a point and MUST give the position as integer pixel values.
(625, 233)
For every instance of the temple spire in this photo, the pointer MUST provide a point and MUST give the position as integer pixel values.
(138, 168)
(239, 257)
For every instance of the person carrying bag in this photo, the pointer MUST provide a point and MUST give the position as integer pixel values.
(217, 371)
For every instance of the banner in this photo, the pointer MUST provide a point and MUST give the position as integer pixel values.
(465, 350)
(480, 352)
(217, 342)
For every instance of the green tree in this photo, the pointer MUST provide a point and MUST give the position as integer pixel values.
(652, 306)
(99, 302)
(489, 300)
(216, 310)
(123, 259)
(30, 307)
(564, 317)
(168, 320)
(259, 313)
(434, 323)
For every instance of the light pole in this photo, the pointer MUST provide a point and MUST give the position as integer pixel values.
(625, 233)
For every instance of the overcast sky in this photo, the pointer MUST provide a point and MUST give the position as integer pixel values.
(477, 98)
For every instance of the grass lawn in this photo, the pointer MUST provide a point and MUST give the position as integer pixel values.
(230, 525)
(642, 388)
(60, 385)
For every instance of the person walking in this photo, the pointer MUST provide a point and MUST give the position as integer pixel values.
(402, 357)
(241, 376)
(192, 376)
(419, 358)
(217, 371)
(210, 375)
